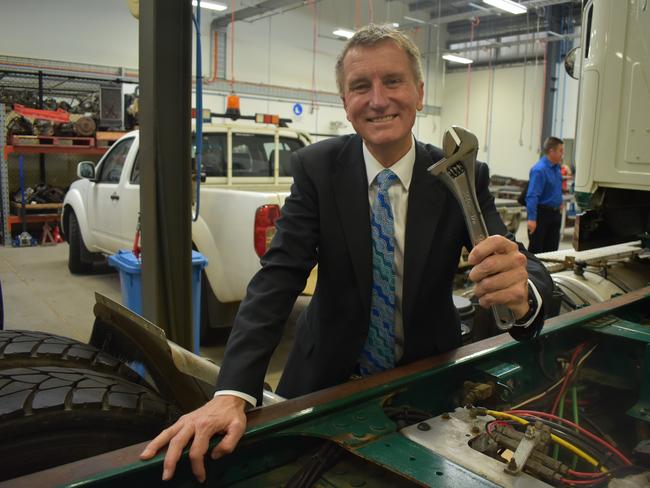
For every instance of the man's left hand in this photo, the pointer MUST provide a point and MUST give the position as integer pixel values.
(500, 274)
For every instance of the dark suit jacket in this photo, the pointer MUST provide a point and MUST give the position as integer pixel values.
(326, 220)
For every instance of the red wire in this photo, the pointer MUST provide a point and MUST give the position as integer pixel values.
(232, 46)
(582, 430)
(584, 474)
(541, 124)
(580, 482)
(567, 377)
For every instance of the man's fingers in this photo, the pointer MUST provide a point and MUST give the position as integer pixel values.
(491, 245)
(497, 263)
(159, 441)
(175, 449)
(197, 454)
(228, 442)
(506, 288)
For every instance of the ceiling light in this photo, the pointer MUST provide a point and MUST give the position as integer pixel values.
(457, 59)
(343, 33)
(219, 7)
(395, 24)
(508, 6)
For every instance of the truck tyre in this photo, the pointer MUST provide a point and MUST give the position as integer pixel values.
(77, 249)
(216, 317)
(51, 415)
(25, 348)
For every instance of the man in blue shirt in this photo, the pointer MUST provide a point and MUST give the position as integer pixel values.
(544, 198)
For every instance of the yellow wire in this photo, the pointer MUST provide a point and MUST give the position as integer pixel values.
(558, 440)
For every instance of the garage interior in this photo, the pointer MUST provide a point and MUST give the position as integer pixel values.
(129, 65)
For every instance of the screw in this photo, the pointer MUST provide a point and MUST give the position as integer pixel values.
(446, 416)
(512, 466)
(424, 426)
(475, 429)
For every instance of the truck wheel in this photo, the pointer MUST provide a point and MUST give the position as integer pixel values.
(77, 248)
(216, 317)
(25, 348)
(51, 416)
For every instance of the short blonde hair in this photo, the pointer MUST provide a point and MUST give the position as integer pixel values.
(373, 34)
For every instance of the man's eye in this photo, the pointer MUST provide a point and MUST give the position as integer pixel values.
(359, 87)
(393, 81)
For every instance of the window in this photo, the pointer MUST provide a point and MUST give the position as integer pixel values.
(135, 172)
(252, 154)
(111, 167)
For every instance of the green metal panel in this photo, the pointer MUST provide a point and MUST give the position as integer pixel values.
(397, 453)
(281, 438)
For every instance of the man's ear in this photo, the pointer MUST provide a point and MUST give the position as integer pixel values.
(420, 104)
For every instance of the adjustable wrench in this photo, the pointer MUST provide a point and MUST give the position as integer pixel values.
(456, 170)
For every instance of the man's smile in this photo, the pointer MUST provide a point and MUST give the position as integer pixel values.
(383, 118)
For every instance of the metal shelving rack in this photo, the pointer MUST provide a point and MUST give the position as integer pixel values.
(4, 177)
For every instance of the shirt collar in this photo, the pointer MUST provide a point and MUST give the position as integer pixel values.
(403, 168)
(548, 162)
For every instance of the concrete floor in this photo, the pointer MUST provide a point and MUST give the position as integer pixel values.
(40, 294)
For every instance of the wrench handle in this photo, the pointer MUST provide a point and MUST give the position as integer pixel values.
(478, 231)
(503, 317)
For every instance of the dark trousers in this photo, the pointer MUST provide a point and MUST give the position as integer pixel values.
(547, 234)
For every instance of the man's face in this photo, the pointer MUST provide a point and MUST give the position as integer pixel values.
(556, 154)
(381, 97)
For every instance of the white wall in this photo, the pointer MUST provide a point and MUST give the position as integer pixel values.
(277, 50)
(101, 32)
(510, 143)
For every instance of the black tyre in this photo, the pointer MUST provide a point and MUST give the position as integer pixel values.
(77, 248)
(51, 415)
(216, 317)
(25, 348)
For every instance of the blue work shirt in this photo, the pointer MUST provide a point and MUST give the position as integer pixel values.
(544, 187)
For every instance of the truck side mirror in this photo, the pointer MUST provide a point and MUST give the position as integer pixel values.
(86, 169)
(572, 62)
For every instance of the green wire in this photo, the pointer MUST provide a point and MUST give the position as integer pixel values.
(560, 413)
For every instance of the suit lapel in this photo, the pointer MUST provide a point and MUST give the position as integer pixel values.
(350, 186)
(427, 198)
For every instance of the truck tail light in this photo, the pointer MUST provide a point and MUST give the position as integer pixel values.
(265, 217)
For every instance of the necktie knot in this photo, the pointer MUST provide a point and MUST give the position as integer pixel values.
(385, 179)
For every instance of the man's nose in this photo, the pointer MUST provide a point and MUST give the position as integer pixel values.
(378, 96)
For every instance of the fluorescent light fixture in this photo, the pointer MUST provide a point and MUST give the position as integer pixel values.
(508, 6)
(457, 59)
(343, 33)
(219, 7)
(395, 24)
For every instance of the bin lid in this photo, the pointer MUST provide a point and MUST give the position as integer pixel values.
(199, 259)
(125, 260)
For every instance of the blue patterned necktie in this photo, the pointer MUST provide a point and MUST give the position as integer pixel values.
(378, 353)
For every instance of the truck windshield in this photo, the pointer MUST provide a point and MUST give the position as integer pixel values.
(252, 154)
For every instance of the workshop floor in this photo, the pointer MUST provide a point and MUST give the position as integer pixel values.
(39, 293)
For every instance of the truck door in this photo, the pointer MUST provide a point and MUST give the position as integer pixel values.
(104, 204)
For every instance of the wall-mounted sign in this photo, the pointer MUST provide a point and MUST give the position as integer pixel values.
(297, 109)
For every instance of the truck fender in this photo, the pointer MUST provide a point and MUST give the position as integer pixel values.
(204, 242)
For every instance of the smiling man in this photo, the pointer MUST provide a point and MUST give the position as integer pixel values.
(386, 236)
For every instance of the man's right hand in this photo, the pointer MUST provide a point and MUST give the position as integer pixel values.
(223, 414)
(532, 225)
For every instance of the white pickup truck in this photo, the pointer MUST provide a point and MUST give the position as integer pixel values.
(248, 175)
